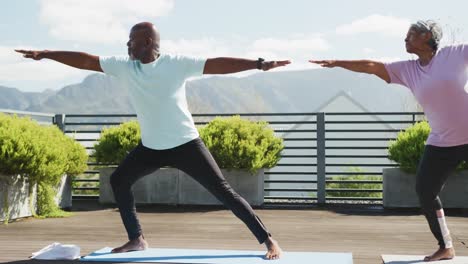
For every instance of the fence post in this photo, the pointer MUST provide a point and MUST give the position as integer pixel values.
(59, 121)
(321, 192)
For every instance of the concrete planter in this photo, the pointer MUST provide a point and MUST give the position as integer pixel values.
(171, 186)
(64, 193)
(250, 187)
(15, 197)
(399, 190)
(159, 187)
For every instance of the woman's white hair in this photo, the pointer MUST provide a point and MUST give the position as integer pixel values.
(430, 26)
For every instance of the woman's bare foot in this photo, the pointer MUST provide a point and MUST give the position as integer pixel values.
(136, 244)
(441, 254)
(274, 250)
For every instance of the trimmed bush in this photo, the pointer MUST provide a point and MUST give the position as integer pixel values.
(116, 142)
(408, 148)
(46, 206)
(41, 153)
(237, 143)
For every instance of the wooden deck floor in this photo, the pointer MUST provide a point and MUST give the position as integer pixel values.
(367, 233)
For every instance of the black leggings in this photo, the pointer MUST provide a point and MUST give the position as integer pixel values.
(194, 159)
(436, 164)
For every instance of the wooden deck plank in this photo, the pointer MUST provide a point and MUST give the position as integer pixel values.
(365, 233)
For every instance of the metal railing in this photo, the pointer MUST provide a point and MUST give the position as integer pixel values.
(328, 157)
(42, 118)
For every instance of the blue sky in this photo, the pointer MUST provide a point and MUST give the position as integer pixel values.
(296, 29)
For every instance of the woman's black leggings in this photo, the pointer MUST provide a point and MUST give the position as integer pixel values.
(194, 159)
(436, 164)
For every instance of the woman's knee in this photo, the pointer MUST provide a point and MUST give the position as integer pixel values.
(427, 198)
(424, 194)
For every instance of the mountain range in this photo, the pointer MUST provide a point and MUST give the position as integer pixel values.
(281, 91)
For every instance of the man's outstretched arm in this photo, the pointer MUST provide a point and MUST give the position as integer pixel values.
(225, 65)
(78, 60)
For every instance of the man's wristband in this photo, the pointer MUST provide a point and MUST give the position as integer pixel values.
(260, 62)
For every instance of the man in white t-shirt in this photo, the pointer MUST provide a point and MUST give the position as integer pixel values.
(156, 84)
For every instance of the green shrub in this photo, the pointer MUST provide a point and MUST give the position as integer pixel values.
(343, 185)
(233, 142)
(17, 153)
(41, 153)
(77, 157)
(116, 142)
(408, 148)
(237, 143)
(46, 206)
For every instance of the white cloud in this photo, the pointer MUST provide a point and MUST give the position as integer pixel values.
(293, 47)
(385, 25)
(103, 21)
(8, 55)
(269, 48)
(36, 70)
(304, 44)
(206, 47)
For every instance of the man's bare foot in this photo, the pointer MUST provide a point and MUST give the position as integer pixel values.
(274, 250)
(441, 254)
(136, 244)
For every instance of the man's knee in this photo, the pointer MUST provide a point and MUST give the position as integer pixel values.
(419, 189)
(115, 180)
(227, 189)
(226, 193)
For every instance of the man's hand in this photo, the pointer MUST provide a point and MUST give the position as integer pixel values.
(325, 63)
(268, 65)
(33, 54)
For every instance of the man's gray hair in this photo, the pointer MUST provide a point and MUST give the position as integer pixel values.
(430, 26)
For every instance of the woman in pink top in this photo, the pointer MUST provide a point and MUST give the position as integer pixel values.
(437, 79)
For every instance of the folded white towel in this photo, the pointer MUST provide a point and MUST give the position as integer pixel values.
(57, 251)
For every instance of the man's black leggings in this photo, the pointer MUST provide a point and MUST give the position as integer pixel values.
(436, 164)
(194, 159)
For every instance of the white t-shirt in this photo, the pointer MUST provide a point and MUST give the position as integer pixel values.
(157, 92)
